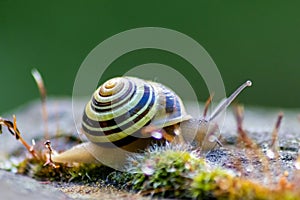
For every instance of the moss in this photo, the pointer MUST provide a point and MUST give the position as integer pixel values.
(84, 173)
(121, 180)
(218, 184)
(206, 183)
(165, 171)
(177, 172)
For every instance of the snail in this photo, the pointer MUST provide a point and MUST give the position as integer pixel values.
(127, 114)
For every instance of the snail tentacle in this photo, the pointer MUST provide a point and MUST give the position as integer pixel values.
(226, 102)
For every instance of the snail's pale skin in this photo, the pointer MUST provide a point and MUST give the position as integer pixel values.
(189, 131)
(88, 152)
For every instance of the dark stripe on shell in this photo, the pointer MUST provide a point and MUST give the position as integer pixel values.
(170, 101)
(177, 112)
(122, 142)
(112, 103)
(109, 103)
(172, 104)
(121, 118)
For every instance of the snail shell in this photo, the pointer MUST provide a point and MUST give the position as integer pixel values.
(122, 108)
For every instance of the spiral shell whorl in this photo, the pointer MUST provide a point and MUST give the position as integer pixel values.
(122, 106)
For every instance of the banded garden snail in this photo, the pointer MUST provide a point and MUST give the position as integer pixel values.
(119, 112)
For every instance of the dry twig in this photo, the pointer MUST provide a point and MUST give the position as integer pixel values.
(49, 157)
(12, 128)
(207, 103)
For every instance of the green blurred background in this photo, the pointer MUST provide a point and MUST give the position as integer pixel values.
(259, 40)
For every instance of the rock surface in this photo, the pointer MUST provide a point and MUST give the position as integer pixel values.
(13, 186)
(258, 122)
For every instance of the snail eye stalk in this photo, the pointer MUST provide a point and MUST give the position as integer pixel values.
(226, 102)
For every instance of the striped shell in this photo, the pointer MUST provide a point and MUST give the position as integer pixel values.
(122, 106)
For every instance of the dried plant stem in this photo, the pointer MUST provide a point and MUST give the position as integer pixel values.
(243, 137)
(12, 128)
(42, 89)
(206, 106)
(248, 143)
(274, 143)
(49, 157)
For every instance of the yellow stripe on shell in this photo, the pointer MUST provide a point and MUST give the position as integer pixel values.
(116, 92)
(115, 103)
(99, 116)
(148, 116)
(120, 135)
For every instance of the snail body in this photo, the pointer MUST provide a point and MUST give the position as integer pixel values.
(128, 114)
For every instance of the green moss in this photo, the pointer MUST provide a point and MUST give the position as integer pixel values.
(165, 171)
(218, 184)
(176, 172)
(206, 183)
(121, 180)
(64, 172)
